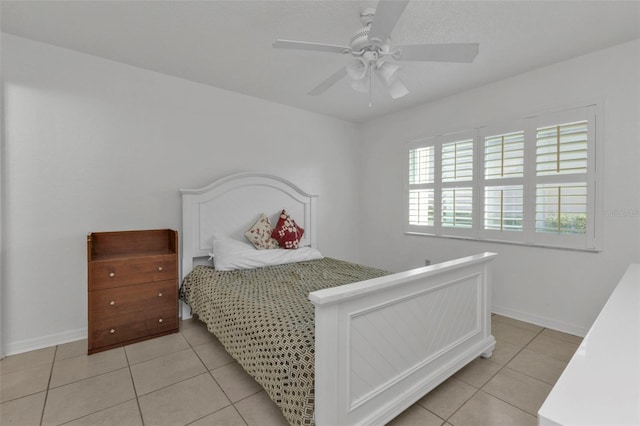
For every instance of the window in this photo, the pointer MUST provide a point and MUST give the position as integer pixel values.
(421, 179)
(503, 208)
(457, 175)
(503, 183)
(440, 186)
(530, 181)
(561, 208)
(504, 156)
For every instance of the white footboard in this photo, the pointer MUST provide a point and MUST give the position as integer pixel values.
(382, 344)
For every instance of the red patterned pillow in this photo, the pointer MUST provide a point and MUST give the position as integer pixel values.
(287, 232)
(260, 234)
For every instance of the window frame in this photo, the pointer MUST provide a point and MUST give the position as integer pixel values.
(483, 182)
(438, 185)
(418, 186)
(591, 112)
(587, 240)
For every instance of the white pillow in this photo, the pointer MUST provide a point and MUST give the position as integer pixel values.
(230, 254)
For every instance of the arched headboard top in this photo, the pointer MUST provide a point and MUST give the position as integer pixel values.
(231, 205)
(249, 178)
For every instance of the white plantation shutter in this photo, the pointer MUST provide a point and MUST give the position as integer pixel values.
(503, 208)
(504, 156)
(421, 207)
(561, 208)
(421, 186)
(421, 165)
(561, 149)
(456, 198)
(503, 203)
(529, 181)
(457, 207)
(457, 161)
(564, 181)
(440, 184)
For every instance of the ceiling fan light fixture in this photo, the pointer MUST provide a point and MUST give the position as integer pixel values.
(397, 89)
(357, 69)
(370, 47)
(388, 72)
(361, 85)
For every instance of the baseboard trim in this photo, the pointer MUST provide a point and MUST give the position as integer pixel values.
(44, 341)
(551, 323)
(81, 333)
(185, 311)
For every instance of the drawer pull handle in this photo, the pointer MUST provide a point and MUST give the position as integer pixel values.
(113, 330)
(112, 303)
(112, 274)
(160, 320)
(160, 268)
(159, 294)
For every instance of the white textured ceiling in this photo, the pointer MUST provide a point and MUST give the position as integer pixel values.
(228, 44)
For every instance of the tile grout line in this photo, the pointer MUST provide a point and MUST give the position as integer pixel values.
(532, 377)
(135, 392)
(505, 366)
(214, 380)
(159, 356)
(102, 409)
(95, 412)
(232, 404)
(541, 333)
(90, 377)
(253, 394)
(129, 366)
(437, 415)
(46, 395)
(492, 376)
(171, 384)
(239, 413)
(136, 396)
(192, 347)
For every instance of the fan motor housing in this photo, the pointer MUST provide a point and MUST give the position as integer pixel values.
(360, 39)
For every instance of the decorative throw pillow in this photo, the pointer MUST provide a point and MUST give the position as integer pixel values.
(260, 234)
(287, 232)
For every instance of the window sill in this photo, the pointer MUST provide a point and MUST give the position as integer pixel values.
(513, 243)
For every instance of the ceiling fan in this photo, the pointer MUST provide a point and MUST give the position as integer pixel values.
(373, 54)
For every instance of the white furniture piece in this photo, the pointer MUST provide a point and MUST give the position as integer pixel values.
(601, 384)
(380, 344)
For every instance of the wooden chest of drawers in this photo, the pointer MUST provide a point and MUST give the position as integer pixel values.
(132, 286)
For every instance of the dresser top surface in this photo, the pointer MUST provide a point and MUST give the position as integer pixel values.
(601, 384)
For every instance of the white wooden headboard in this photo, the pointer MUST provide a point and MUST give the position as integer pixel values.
(230, 206)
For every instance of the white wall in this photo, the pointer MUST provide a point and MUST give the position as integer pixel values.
(94, 145)
(556, 288)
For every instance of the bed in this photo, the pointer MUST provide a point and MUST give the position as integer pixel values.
(373, 342)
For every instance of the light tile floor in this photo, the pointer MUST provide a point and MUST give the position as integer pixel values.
(188, 378)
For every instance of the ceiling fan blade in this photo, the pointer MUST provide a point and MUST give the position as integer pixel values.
(449, 52)
(333, 79)
(304, 45)
(387, 14)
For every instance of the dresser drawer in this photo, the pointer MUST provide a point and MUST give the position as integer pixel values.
(131, 326)
(118, 273)
(116, 301)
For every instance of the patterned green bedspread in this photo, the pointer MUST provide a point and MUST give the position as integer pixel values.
(265, 321)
